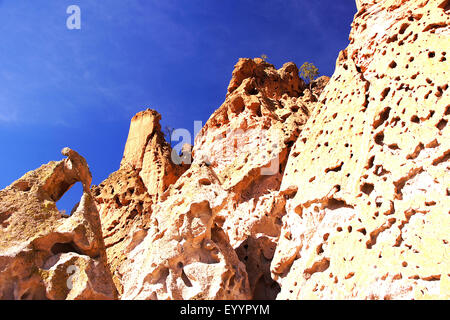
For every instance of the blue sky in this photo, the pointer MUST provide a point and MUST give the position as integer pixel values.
(80, 88)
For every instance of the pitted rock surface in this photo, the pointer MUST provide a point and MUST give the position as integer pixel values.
(370, 173)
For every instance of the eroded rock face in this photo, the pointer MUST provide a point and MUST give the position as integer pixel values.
(213, 233)
(362, 3)
(45, 254)
(369, 217)
(265, 110)
(337, 192)
(148, 153)
(184, 254)
(123, 203)
(247, 142)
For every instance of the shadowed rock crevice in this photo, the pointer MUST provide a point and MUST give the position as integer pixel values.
(257, 258)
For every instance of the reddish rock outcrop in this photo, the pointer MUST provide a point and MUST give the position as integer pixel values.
(45, 254)
(247, 142)
(265, 110)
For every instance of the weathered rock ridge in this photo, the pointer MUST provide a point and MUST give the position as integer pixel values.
(338, 193)
(45, 254)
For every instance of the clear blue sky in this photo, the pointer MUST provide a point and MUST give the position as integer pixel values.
(80, 88)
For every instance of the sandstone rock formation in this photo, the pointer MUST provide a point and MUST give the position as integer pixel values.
(123, 203)
(45, 254)
(223, 215)
(184, 254)
(148, 153)
(338, 192)
(124, 200)
(369, 218)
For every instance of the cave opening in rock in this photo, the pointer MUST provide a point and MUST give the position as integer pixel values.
(257, 265)
(70, 199)
(66, 247)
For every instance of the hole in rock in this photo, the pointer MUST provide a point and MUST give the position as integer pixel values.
(382, 117)
(403, 28)
(334, 204)
(393, 64)
(64, 248)
(23, 186)
(205, 182)
(447, 110)
(335, 168)
(367, 188)
(445, 5)
(441, 124)
(257, 263)
(294, 108)
(185, 279)
(266, 290)
(370, 162)
(71, 198)
(379, 138)
(384, 93)
(253, 91)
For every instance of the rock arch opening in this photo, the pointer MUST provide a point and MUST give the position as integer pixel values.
(70, 199)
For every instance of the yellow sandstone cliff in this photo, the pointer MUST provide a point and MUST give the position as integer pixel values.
(370, 172)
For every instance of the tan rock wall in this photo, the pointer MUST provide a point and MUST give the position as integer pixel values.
(247, 142)
(183, 254)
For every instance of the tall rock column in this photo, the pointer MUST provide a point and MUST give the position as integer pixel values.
(148, 153)
(246, 142)
(126, 197)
